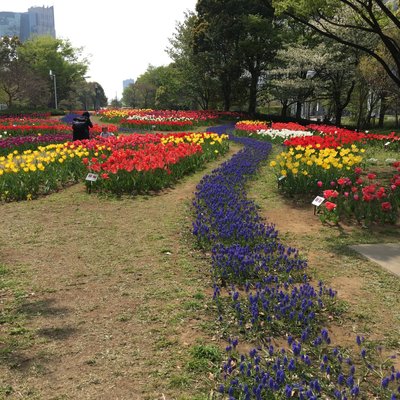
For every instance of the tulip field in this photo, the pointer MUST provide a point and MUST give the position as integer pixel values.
(336, 164)
(120, 289)
(125, 164)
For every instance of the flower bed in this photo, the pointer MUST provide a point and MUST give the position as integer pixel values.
(28, 134)
(150, 162)
(317, 161)
(125, 164)
(162, 119)
(301, 168)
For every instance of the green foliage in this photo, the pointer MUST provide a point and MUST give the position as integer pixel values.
(44, 53)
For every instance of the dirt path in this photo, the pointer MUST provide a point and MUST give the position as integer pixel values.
(107, 288)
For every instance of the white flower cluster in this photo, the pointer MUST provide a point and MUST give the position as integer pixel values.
(153, 118)
(282, 134)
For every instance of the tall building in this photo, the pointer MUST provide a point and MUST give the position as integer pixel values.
(127, 82)
(36, 21)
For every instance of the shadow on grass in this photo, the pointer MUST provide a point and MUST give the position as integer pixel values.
(57, 333)
(41, 308)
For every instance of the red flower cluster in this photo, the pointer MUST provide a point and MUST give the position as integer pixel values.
(292, 126)
(146, 158)
(332, 136)
(371, 201)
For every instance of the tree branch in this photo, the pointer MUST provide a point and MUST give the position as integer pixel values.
(337, 38)
(388, 13)
(361, 28)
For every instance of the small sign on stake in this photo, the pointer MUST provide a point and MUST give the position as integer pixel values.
(91, 177)
(317, 202)
(387, 143)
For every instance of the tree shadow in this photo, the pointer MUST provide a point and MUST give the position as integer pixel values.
(41, 308)
(57, 333)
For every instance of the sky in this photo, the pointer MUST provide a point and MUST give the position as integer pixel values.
(120, 38)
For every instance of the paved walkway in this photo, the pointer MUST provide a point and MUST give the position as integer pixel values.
(386, 255)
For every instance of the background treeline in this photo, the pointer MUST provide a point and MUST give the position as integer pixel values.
(325, 59)
(26, 83)
(333, 60)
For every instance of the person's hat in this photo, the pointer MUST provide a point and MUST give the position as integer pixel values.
(86, 114)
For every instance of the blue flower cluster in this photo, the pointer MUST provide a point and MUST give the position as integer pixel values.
(262, 286)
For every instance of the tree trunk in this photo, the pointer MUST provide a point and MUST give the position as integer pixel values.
(285, 107)
(382, 111)
(253, 94)
(338, 116)
(298, 110)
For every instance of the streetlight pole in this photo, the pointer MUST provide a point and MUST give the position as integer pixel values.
(53, 76)
(96, 93)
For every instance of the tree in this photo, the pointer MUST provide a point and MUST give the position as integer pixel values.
(258, 45)
(240, 38)
(130, 96)
(195, 71)
(90, 96)
(217, 34)
(336, 75)
(344, 20)
(44, 53)
(19, 84)
(288, 81)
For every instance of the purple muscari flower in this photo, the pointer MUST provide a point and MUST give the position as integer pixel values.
(355, 391)
(363, 353)
(350, 381)
(385, 382)
(337, 394)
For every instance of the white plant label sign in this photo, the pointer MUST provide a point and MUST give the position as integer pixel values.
(318, 201)
(91, 177)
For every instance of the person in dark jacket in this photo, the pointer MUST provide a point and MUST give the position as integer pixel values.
(80, 127)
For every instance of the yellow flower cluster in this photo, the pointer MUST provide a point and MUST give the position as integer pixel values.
(306, 160)
(251, 122)
(33, 160)
(122, 113)
(197, 138)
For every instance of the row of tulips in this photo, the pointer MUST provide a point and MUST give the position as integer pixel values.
(42, 171)
(261, 288)
(157, 124)
(28, 136)
(317, 136)
(364, 198)
(312, 163)
(300, 168)
(163, 119)
(152, 166)
(126, 164)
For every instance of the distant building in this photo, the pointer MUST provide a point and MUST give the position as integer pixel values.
(37, 21)
(127, 82)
